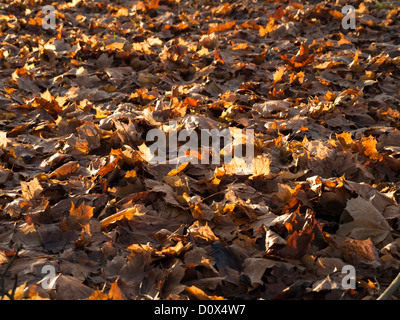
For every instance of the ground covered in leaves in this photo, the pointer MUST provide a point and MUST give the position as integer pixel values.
(78, 192)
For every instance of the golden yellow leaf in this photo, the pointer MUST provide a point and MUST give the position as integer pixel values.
(115, 292)
(31, 189)
(122, 12)
(182, 167)
(78, 217)
(222, 27)
(202, 232)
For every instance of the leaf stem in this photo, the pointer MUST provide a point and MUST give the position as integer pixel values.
(393, 287)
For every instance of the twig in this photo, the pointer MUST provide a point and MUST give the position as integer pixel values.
(3, 291)
(393, 287)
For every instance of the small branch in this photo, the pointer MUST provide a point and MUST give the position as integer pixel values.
(3, 291)
(14, 287)
(393, 287)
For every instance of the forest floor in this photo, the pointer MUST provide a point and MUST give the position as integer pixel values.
(85, 214)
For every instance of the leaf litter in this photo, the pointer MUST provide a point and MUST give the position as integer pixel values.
(77, 190)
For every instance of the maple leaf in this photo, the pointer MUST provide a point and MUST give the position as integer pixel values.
(368, 221)
(78, 217)
(31, 190)
(222, 27)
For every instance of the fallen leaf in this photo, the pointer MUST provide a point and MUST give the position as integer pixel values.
(367, 222)
(360, 251)
(201, 295)
(65, 170)
(203, 232)
(32, 189)
(115, 292)
(78, 217)
(128, 214)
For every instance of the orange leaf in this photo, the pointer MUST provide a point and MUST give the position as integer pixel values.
(201, 295)
(31, 189)
(345, 140)
(9, 253)
(279, 13)
(301, 59)
(106, 169)
(182, 167)
(153, 4)
(297, 5)
(271, 26)
(222, 27)
(116, 46)
(9, 90)
(330, 96)
(278, 75)
(217, 55)
(240, 46)
(370, 148)
(174, 250)
(82, 214)
(202, 232)
(251, 24)
(336, 14)
(115, 292)
(190, 102)
(65, 170)
(48, 103)
(122, 12)
(343, 40)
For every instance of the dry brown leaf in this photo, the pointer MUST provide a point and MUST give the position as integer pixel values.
(367, 222)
